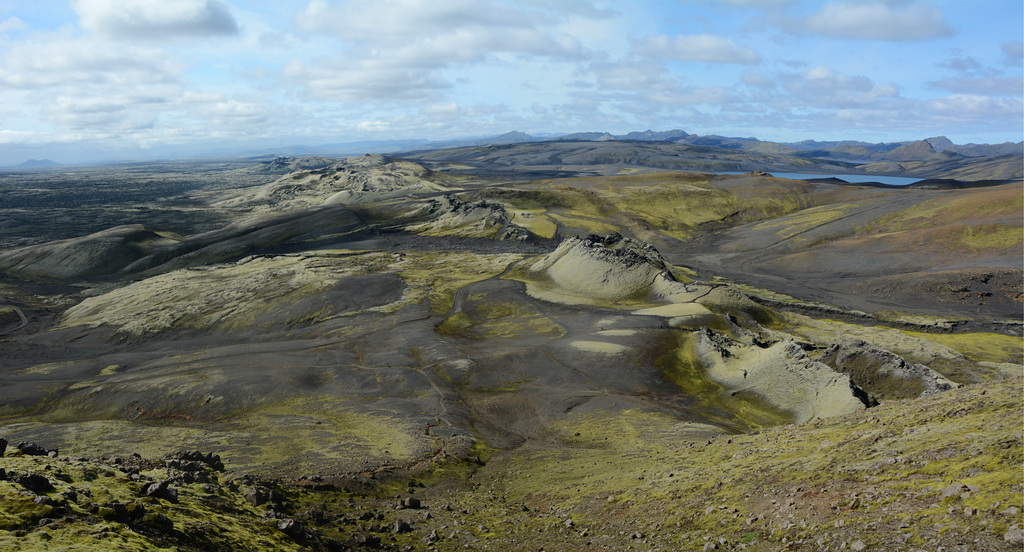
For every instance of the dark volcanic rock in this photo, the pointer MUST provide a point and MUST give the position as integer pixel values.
(258, 496)
(31, 449)
(292, 528)
(34, 482)
(411, 503)
(162, 490)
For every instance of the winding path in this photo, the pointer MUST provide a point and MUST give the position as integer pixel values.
(21, 314)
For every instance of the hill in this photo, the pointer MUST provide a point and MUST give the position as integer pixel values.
(33, 164)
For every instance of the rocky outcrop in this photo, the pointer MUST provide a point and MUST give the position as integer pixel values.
(602, 267)
(285, 165)
(478, 219)
(881, 373)
(354, 180)
(782, 374)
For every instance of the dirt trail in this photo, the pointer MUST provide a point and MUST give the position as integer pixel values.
(21, 324)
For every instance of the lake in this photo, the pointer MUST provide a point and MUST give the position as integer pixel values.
(851, 178)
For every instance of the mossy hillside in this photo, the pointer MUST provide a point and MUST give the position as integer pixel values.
(319, 433)
(962, 220)
(262, 292)
(986, 237)
(833, 480)
(597, 480)
(203, 516)
(536, 221)
(435, 277)
(963, 357)
(925, 348)
(496, 316)
(955, 206)
(675, 204)
(788, 226)
(920, 320)
(979, 346)
(740, 411)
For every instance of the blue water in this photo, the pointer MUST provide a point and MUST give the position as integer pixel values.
(851, 178)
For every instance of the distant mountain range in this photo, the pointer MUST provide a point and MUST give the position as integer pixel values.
(677, 150)
(846, 150)
(935, 149)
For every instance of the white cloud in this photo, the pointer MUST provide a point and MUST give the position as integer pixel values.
(1014, 52)
(973, 108)
(12, 24)
(399, 50)
(20, 136)
(703, 47)
(877, 21)
(755, 77)
(965, 64)
(432, 34)
(374, 126)
(697, 95)
(102, 114)
(155, 19)
(363, 81)
(58, 61)
(989, 86)
(581, 8)
(388, 21)
(643, 75)
(827, 88)
(234, 113)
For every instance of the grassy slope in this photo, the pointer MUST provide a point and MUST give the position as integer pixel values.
(631, 478)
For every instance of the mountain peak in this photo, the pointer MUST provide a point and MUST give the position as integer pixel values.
(513, 137)
(941, 143)
(38, 164)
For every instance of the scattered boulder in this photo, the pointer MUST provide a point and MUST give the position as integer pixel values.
(3, 446)
(410, 503)
(161, 489)
(31, 449)
(401, 527)
(292, 528)
(954, 490)
(259, 495)
(1014, 536)
(34, 482)
(194, 460)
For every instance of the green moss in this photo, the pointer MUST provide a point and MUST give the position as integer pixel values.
(495, 316)
(979, 346)
(456, 325)
(742, 410)
(987, 237)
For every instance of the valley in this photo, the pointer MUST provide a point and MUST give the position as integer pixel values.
(570, 345)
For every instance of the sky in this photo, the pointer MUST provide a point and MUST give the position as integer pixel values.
(103, 80)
